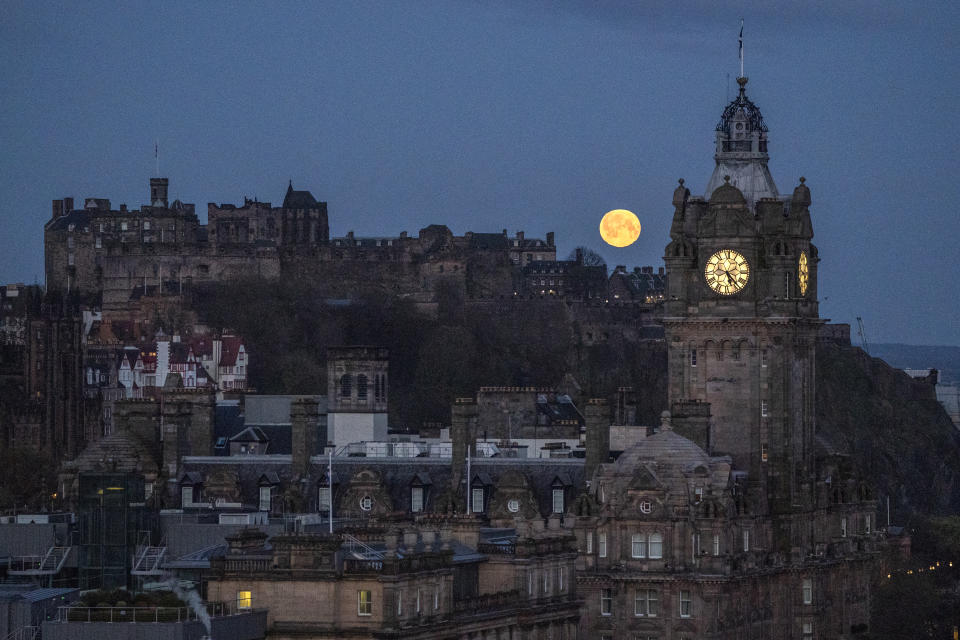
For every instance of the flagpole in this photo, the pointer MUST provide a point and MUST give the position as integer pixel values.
(156, 154)
(741, 47)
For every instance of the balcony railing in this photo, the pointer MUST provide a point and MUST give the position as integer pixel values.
(144, 614)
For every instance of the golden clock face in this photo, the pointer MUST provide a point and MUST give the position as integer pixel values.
(803, 273)
(727, 272)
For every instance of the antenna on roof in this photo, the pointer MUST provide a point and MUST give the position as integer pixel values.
(156, 155)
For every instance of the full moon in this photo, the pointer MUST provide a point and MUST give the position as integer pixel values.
(620, 228)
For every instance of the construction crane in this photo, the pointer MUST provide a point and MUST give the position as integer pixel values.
(863, 335)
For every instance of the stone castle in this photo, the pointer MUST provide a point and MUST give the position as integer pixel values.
(162, 249)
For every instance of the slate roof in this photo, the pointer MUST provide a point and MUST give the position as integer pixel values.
(397, 475)
(489, 241)
(298, 199)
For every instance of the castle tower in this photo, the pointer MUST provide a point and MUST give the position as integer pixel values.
(742, 318)
(158, 192)
(357, 386)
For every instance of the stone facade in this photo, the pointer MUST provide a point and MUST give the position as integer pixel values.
(115, 257)
(736, 519)
(437, 579)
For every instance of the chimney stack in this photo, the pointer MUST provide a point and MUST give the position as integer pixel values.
(304, 418)
(597, 417)
(463, 429)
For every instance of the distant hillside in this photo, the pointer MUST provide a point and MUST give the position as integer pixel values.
(909, 356)
(897, 434)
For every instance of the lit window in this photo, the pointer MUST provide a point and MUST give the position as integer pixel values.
(655, 546)
(646, 603)
(602, 544)
(366, 503)
(685, 608)
(807, 591)
(477, 500)
(606, 602)
(244, 600)
(638, 546)
(558, 500)
(416, 499)
(264, 498)
(365, 602)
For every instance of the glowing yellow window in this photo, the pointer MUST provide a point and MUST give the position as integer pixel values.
(244, 600)
(365, 603)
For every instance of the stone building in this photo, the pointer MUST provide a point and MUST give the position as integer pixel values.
(737, 518)
(435, 579)
(150, 257)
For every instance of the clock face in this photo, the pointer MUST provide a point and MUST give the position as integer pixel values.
(803, 273)
(727, 272)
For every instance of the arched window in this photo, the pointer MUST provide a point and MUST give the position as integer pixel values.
(656, 545)
(361, 387)
(345, 384)
(638, 546)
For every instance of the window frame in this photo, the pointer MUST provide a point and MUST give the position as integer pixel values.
(364, 602)
(558, 494)
(686, 603)
(807, 591)
(638, 540)
(416, 499)
(606, 602)
(244, 600)
(655, 538)
(602, 544)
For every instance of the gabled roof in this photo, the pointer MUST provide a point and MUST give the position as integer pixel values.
(229, 350)
(298, 199)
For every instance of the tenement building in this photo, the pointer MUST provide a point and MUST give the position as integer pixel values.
(737, 518)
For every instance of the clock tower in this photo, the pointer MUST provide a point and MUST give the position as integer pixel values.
(741, 323)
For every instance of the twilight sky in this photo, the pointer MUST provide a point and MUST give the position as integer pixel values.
(533, 115)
